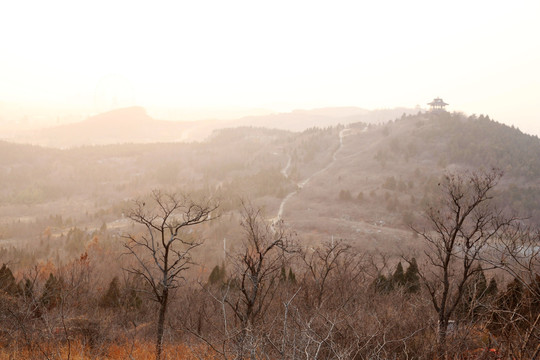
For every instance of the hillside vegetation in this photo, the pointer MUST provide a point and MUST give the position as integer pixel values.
(345, 276)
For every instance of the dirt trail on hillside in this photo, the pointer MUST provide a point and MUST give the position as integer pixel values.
(303, 183)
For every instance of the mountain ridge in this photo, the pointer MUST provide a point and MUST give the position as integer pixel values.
(135, 125)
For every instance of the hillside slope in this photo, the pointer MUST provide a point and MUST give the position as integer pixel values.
(362, 182)
(383, 175)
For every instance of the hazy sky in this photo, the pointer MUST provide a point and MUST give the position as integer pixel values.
(479, 56)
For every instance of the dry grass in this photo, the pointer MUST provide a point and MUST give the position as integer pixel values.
(117, 351)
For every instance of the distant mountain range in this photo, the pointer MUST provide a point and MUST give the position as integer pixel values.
(128, 125)
(134, 125)
(300, 120)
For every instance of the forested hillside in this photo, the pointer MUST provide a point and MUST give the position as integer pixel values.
(448, 140)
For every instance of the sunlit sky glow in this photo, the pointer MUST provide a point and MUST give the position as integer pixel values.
(479, 56)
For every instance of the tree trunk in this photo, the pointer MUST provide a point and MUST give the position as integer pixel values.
(161, 323)
(441, 338)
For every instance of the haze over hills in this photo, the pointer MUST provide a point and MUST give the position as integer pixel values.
(362, 182)
(300, 120)
(118, 126)
(134, 125)
(243, 179)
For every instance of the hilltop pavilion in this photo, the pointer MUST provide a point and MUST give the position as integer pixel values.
(437, 104)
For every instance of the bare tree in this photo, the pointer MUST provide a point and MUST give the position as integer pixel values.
(460, 223)
(257, 266)
(321, 262)
(163, 250)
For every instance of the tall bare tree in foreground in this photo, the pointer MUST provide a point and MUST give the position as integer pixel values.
(460, 223)
(163, 250)
(257, 264)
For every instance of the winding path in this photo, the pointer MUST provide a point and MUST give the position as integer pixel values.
(285, 170)
(303, 183)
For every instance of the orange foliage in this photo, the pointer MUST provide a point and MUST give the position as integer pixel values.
(47, 232)
(44, 269)
(146, 350)
(134, 350)
(94, 245)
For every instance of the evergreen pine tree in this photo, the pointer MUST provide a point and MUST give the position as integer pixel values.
(52, 292)
(218, 275)
(7, 281)
(479, 282)
(509, 303)
(492, 288)
(412, 277)
(134, 301)
(27, 288)
(215, 275)
(513, 295)
(283, 275)
(474, 292)
(112, 297)
(292, 277)
(399, 276)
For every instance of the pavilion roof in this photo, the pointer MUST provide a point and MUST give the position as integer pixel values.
(437, 101)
